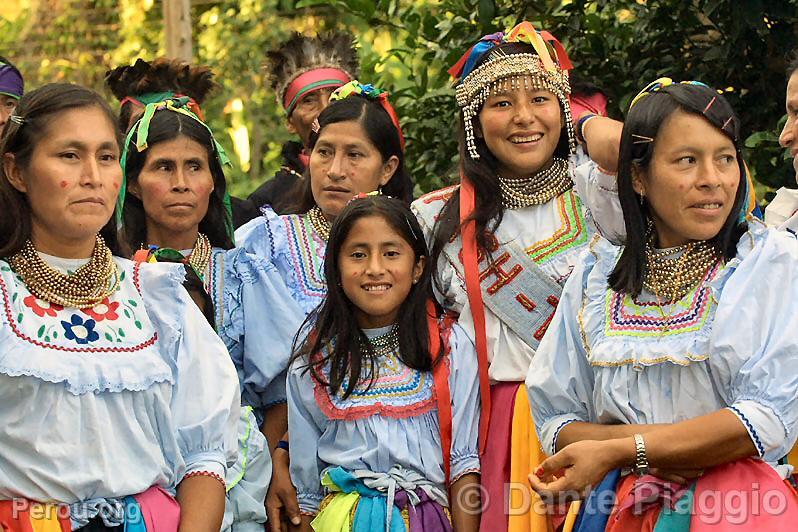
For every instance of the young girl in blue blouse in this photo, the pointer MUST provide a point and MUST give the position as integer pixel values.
(375, 386)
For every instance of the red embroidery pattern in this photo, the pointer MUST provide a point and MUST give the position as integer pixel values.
(553, 301)
(12, 323)
(439, 195)
(527, 303)
(210, 474)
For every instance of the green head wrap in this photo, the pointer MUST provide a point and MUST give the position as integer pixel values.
(141, 130)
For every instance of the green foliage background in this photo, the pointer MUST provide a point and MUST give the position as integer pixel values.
(738, 46)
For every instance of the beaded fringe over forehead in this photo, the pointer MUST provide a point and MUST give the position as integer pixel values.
(502, 73)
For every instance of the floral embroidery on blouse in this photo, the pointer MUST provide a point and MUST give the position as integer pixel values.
(41, 307)
(118, 323)
(104, 310)
(80, 330)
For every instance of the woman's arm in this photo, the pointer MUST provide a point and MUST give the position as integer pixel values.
(466, 503)
(275, 424)
(579, 431)
(201, 500)
(603, 138)
(697, 443)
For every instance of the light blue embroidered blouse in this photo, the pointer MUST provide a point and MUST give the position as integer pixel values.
(104, 402)
(291, 244)
(257, 320)
(729, 343)
(395, 422)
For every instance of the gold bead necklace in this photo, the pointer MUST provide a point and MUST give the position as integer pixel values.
(671, 278)
(201, 254)
(537, 189)
(89, 285)
(319, 222)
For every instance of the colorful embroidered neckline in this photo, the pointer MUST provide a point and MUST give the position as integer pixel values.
(627, 317)
(118, 324)
(307, 251)
(397, 392)
(569, 235)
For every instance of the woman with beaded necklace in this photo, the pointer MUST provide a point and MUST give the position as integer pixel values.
(107, 354)
(505, 240)
(176, 206)
(668, 356)
(357, 147)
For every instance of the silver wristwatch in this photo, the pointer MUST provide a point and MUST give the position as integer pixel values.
(641, 461)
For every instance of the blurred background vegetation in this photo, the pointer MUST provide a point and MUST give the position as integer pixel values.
(737, 46)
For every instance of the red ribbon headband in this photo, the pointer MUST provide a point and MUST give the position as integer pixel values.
(318, 78)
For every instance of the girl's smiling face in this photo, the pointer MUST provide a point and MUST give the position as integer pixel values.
(378, 268)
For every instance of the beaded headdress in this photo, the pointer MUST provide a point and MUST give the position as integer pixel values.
(305, 64)
(140, 131)
(546, 69)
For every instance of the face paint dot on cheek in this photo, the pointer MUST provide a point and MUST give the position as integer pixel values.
(64, 184)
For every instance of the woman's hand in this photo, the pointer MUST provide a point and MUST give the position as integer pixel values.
(573, 471)
(282, 507)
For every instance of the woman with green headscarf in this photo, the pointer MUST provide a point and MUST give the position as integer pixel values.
(173, 207)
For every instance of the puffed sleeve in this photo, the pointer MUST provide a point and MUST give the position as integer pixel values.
(464, 389)
(257, 318)
(753, 346)
(560, 381)
(205, 398)
(256, 237)
(598, 190)
(305, 425)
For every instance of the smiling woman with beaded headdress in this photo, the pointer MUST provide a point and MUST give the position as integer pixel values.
(516, 204)
(669, 355)
(175, 208)
(100, 359)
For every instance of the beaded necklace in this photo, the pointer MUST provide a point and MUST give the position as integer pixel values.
(671, 278)
(198, 259)
(321, 224)
(89, 285)
(537, 189)
(385, 344)
(201, 254)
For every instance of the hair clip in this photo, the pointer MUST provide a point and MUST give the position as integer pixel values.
(709, 104)
(17, 119)
(727, 122)
(315, 126)
(364, 195)
(643, 139)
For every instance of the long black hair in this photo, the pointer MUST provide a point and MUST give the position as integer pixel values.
(39, 109)
(333, 323)
(482, 173)
(644, 122)
(165, 126)
(381, 132)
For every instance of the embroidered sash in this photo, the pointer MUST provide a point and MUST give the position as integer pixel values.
(514, 288)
